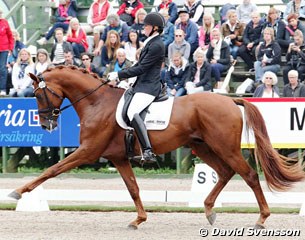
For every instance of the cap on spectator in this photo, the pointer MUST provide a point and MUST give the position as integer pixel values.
(292, 16)
(183, 10)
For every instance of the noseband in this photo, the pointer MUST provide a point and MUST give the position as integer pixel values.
(52, 111)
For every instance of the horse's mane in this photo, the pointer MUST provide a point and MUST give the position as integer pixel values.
(51, 68)
(72, 67)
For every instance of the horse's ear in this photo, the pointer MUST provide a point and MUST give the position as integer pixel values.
(33, 76)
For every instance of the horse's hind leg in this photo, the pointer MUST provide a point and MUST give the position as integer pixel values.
(225, 173)
(251, 177)
(129, 178)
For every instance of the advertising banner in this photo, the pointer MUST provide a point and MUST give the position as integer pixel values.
(19, 123)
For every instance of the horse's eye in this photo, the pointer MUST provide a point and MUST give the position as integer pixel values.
(38, 96)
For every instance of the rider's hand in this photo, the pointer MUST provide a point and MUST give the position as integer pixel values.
(112, 76)
(112, 83)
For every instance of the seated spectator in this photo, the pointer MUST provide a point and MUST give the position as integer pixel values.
(251, 39)
(12, 58)
(60, 46)
(70, 59)
(223, 11)
(295, 57)
(199, 74)
(179, 45)
(273, 20)
(268, 88)
(66, 10)
(268, 56)
(232, 31)
(245, 10)
(128, 10)
(294, 88)
(132, 45)
(96, 19)
(118, 63)
(112, 44)
(168, 30)
(195, 10)
(171, 8)
(293, 25)
(22, 83)
(77, 37)
(86, 63)
(139, 24)
(42, 61)
(205, 35)
(295, 6)
(218, 55)
(176, 75)
(189, 27)
(116, 25)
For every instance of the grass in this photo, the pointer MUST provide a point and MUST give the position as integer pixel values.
(164, 209)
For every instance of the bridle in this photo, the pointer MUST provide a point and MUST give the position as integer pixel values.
(52, 111)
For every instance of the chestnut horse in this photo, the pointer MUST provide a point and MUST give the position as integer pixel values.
(209, 123)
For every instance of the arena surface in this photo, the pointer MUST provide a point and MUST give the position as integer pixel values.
(113, 225)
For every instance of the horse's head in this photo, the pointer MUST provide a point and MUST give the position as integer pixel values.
(48, 102)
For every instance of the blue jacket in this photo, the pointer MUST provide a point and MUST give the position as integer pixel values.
(168, 34)
(172, 12)
(122, 29)
(191, 33)
(177, 79)
(252, 34)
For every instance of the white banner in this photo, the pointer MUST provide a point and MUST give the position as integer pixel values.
(285, 121)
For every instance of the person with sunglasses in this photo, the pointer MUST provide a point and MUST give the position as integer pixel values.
(268, 88)
(179, 45)
(86, 63)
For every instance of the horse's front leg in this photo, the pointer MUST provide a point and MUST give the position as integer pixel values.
(129, 178)
(81, 156)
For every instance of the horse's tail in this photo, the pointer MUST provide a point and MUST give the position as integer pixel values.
(280, 172)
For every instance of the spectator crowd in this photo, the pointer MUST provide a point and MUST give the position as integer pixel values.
(199, 49)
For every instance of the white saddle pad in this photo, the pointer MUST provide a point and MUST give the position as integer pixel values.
(157, 117)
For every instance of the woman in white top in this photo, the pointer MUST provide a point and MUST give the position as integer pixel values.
(42, 61)
(22, 83)
(268, 89)
(132, 45)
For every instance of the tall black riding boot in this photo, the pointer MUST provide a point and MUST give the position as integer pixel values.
(140, 128)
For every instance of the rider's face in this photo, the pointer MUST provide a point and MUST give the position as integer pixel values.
(147, 30)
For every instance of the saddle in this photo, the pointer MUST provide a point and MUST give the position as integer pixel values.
(128, 95)
(129, 134)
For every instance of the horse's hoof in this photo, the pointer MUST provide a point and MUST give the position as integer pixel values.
(259, 226)
(14, 195)
(212, 218)
(132, 227)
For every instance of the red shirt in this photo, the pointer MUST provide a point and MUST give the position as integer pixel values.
(81, 38)
(6, 36)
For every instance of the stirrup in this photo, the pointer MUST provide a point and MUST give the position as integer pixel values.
(148, 156)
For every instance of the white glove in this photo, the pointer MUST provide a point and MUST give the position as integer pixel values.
(112, 76)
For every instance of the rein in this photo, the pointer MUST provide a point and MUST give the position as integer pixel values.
(51, 109)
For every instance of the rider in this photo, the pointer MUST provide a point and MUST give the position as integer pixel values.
(148, 84)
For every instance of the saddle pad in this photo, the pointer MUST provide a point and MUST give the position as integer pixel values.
(157, 117)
